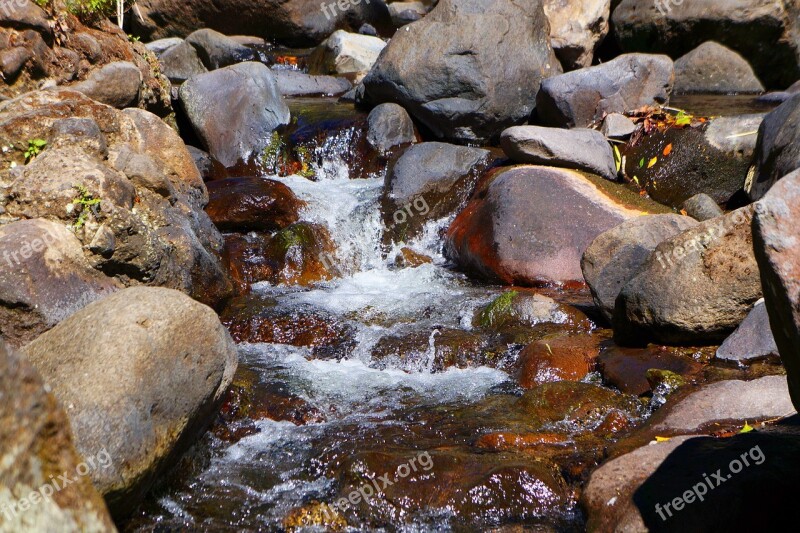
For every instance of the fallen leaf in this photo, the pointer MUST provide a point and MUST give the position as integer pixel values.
(747, 428)
(667, 149)
(662, 439)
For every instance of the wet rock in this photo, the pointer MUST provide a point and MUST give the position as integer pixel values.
(615, 257)
(567, 358)
(582, 97)
(712, 158)
(577, 28)
(37, 444)
(779, 97)
(389, 126)
(217, 50)
(526, 308)
(245, 259)
(403, 13)
(299, 254)
(778, 150)
(294, 83)
(775, 237)
(178, 361)
(577, 149)
(180, 62)
(234, 110)
(252, 204)
(626, 368)
(451, 70)
(346, 53)
(713, 68)
(617, 126)
(696, 287)
(408, 258)
(531, 225)
(116, 84)
(44, 279)
(752, 340)
(643, 26)
(315, 514)
(702, 207)
(434, 351)
(428, 182)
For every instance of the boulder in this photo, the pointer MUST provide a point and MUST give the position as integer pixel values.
(764, 32)
(295, 83)
(469, 69)
(216, 50)
(246, 204)
(389, 126)
(346, 53)
(576, 29)
(617, 126)
(775, 236)
(582, 97)
(25, 14)
(752, 340)
(37, 446)
(180, 62)
(403, 13)
(713, 68)
(141, 373)
(532, 224)
(627, 369)
(576, 149)
(44, 278)
(778, 149)
(701, 207)
(159, 46)
(696, 287)
(116, 84)
(527, 309)
(234, 110)
(567, 358)
(616, 256)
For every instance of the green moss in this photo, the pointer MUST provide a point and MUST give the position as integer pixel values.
(272, 152)
(497, 312)
(295, 235)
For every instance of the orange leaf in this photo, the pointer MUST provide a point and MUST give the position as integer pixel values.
(668, 149)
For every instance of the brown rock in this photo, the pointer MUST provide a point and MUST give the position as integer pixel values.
(567, 358)
(252, 204)
(626, 368)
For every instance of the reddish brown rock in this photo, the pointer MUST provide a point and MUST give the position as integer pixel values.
(626, 368)
(242, 204)
(567, 358)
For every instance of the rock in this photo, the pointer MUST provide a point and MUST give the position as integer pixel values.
(295, 83)
(779, 97)
(670, 28)
(576, 149)
(250, 40)
(389, 126)
(521, 308)
(44, 279)
(346, 53)
(775, 238)
(180, 62)
(616, 256)
(452, 70)
(582, 97)
(428, 182)
(83, 132)
(177, 361)
(696, 287)
(234, 110)
(713, 68)
(368, 29)
(403, 13)
(203, 162)
(159, 46)
(713, 158)
(433, 351)
(532, 225)
(627, 369)
(24, 14)
(567, 358)
(778, 149)
(37, 445)
(217, 50)
(617, 126)
(752, 340)
(245, 204)
(577, 28)
(702, 207)
(116, 84)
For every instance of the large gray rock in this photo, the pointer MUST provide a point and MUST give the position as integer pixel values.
(577, 149)
(388, 126)
(696, 287)
(765, 32)
(713, 68)
(180, 62)
(295, 83)
(217, 50)
(116, 84)
(44, 278)
(579, 98)
(532, 225)
(778, 149)
(141, 373)
(616, 256)
(752, 340)
(453, 70)
(37, 446)
(577, 27)
(775, 238)
(346, 53)
(234, 110)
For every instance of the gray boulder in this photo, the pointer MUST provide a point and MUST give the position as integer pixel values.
(617, 126)
(752, 340)
(452, 70)
(577, 149)
(180, 62)
(702, 207)
(216, 50)
(713, 68)
(141, 373)
(295, 83)
(778, 148)
(388, 126)
(159, 46)
(582, 97)
(116, 84)
(234, 110)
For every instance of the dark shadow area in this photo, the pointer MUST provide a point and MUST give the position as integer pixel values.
(701, 477)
